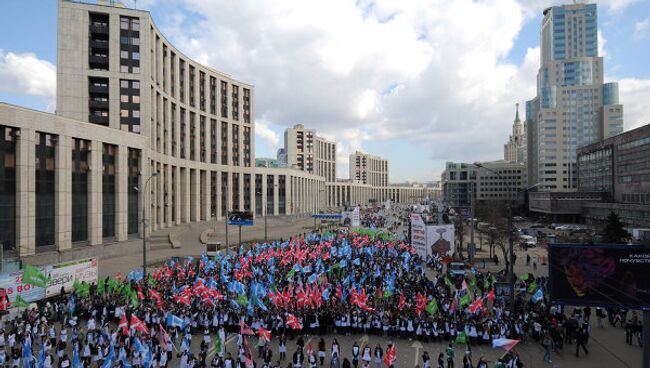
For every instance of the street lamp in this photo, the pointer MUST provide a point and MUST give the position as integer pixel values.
(144, 225)
(511, 251)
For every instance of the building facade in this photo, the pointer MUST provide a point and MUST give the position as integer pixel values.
(368, 169)
(139, 129)
(463, 183)
(619, 168)
(515, 149)
(306, 151)
(573, 106)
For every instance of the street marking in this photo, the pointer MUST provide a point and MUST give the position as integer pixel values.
(417, 346)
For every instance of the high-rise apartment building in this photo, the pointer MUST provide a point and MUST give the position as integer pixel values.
(306, 151)
(368, 169)
(515, 149)
(573, 106)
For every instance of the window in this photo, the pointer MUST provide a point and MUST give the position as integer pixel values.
(129, 45)
(45, 205)
(8, 187)
(133, 195)
(108, 190)
(130, 105)
(80, 150)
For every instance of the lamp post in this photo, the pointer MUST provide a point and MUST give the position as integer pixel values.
(144, 225)
(511, 251)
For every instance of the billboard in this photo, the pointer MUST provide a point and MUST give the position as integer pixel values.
(599, 275)
(59, 275)
(356, 217)
(63, 275)
(440, 240)
(418, 235)
(240, 218)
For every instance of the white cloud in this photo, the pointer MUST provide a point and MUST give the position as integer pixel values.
(262, 131)
(28, 75)
(634, 95)
(601, 44)
(641, 29)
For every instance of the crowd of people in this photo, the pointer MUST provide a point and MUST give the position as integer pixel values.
(340, 284)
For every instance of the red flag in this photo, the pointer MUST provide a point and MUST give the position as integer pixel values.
(208, 301)
(292, 322)
(476, 305)
(124, 325)
(164, 335)
(138, 325)
(153, 294)
(420, 303)
(391, 356)
(310, 348)
(490, 295)
(140, 294)
(402, 301)
(264, 333)
(244, 329)
(302, 298)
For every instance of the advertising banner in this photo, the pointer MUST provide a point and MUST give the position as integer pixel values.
(600, 275)
(419, 235)
(240, 218)
(356, 217)
(65, 274)
(12, 285)
(440, 240)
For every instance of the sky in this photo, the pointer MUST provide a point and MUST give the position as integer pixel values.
(417, 82)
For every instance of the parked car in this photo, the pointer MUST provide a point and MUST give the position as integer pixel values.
(456, 269)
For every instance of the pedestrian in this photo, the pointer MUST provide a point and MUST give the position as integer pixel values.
(547, 343)
(450, 356)
(378, 354)
(581, 340)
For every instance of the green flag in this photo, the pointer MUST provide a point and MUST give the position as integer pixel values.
(151, 281)
(464, 300)
(134, 300)
(20, 302)
(242, 300)
(461, 338)
(31, 275)
(532, 287)
(486, 284)
(432, 307)
(524, 277)
(387, 294)
(472, 283)
(291, 274)
(494, 279)
(217, 344)
(82, 289)
(447, 281)
(101, 288)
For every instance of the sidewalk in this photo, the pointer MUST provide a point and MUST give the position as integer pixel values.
(278, 227)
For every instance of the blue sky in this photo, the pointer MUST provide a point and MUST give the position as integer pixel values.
(332, 67)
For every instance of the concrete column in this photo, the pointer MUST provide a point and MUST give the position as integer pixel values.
(121, 193)
(95, 199)
(159, 181)
(63, 193)
(219, 192)
(177, 195)
(152, 192)
(168, 195)
(241, 189)
(207, 198)
(229, 192)
(263, 197)
(276, 195)
(25, 195)
(185, 195)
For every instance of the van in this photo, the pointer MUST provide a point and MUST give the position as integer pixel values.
(456, 269)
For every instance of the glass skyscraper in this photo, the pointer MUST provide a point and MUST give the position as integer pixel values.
(573, 106)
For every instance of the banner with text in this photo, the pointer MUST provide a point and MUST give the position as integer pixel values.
(419, 235)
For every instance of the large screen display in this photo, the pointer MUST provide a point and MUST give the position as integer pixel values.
(614, 275)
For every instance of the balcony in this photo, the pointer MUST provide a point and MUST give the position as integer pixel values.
(98, 104)
(93, 88)
(99, 44)
(99, 28)
(97, 119)
(98, 59)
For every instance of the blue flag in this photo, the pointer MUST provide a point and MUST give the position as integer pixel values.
(41, 358)
(125, 362)
(108, 361)
(76, 363)
(175, 321)
(539, 295)
(27, 353)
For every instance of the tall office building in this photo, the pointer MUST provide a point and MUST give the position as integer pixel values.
(515, 149)
(306, 151)
(368, 169)
(573, 106)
